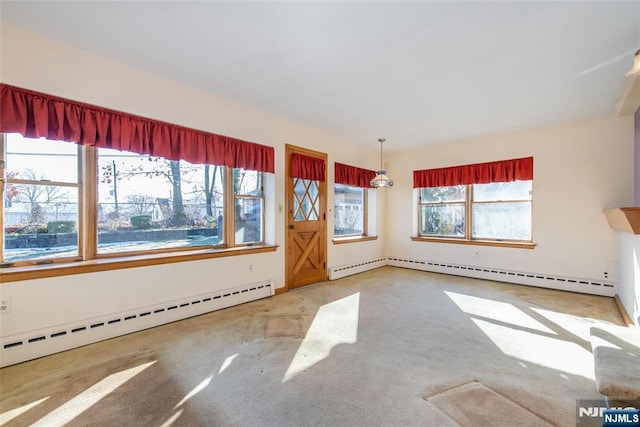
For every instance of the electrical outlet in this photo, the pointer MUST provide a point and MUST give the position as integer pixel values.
(5, 305)
(250, 268)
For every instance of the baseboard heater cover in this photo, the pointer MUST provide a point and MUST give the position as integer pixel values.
(34, 344)
(341, 271)
(573, 284)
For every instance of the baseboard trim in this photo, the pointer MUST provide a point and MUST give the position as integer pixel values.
(623, 311)
(542, 280)
(28, 345)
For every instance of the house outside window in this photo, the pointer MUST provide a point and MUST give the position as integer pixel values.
(149, 203)
(350, 211)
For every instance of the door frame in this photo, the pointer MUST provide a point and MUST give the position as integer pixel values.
(288, 217)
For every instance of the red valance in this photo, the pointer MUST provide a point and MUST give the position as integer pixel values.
(307, 167)
(354, 176)
(35, 115)
(479, 173)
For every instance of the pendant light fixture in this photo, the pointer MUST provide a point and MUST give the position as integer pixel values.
(381, 179)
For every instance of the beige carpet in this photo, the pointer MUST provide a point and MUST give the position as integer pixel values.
(475, 404)
(386, 347)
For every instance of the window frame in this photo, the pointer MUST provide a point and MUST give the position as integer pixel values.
(88, 258)
(468, 238)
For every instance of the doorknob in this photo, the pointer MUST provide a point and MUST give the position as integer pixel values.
(291, 226)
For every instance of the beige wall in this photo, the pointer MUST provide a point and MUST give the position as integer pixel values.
(579, 169)
(36, 63)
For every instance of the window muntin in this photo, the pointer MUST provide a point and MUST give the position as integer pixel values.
(41, 195)
(306, 203)
(148, 218)
(349, 211)
(496, 211)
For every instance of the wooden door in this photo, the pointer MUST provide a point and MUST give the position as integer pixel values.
(306, 225)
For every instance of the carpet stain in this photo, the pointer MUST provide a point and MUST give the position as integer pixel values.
(283, 327)
(474, 404)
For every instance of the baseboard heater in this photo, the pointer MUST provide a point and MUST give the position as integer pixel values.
(31, 345)
(357, 267)
(573, 284)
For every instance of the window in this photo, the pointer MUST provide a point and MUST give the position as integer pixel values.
(502, 211)
(482, 202)
(147, 203)
(351, 200)
(134, 204)
(499, 211)
(248, 202)
(42, 200)
(349, 211)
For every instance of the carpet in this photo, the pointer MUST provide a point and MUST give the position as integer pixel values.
(474, 404)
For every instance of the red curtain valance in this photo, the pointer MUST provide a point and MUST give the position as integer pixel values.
(35, 115)
(307, 167)
(354, 176)
(479, 173)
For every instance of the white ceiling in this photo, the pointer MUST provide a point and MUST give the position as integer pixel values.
(414, 72)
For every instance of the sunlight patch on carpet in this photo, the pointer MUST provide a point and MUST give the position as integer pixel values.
(335, 323)
(496, 310)
(227, 363)
(76, 406)
(474, 404)
(577, 325)
(172, 419)
(7, 416)
(197, 389)
(553, 353)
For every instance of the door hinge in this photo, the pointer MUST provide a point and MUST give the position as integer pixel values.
(324, 265)
(324, 216)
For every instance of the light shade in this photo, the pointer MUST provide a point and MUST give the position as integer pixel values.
(381, 180)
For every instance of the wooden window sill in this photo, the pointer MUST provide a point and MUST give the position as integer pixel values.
(506, 244)
(353, 239)
(13, 274)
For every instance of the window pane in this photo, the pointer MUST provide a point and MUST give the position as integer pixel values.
(502, 221)
(40, 218)
(248, 223)
(515, 190)
(40, 222)
(348, 210)
(456, 193)
(41, 159)
(247, 183)
(305, 199)
(442, 220)
(147, 203)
